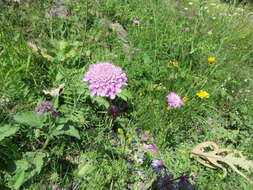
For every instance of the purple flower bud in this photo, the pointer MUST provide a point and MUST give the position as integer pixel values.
(114, 111)
(138, 130)
(54, 114)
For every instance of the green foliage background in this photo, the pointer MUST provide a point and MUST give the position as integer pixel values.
(168, 31)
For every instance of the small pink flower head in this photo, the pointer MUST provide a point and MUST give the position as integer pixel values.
(145, 137)
(43, 108)
(158, 165)
(174, 100)
(105, 79)
(107, 33)
(150, 147)
(137, 22)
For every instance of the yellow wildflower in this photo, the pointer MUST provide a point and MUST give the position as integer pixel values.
(174, 64)
(185, 99)
(202, 94)
(81, 121)
(211, 59)
(120, 130)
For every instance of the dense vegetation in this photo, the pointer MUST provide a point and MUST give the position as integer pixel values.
(67, 138)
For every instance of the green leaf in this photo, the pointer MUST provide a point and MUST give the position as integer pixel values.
(66, 130)
(125, 95)
(30, 165)
(100, 101)
(30, 118)
(18, 179)
(36, 158)
(147, 59)
(7, 130)
(84, 170)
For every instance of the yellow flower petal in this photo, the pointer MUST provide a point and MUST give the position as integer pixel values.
(174, 64)
(202, 94)
(211, 59)
(120, 130)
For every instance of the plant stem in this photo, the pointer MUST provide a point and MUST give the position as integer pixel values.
(46, 142)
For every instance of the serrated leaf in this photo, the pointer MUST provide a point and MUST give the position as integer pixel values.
(29, 118)
(216, 158)
(36, 158)
(7, 130)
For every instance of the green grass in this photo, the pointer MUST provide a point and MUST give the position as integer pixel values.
(169, 31)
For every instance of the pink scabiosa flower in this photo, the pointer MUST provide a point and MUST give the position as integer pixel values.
(174, 100)
(105, 79)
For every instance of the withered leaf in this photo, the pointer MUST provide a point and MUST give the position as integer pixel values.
(54, 92)
(39, 51)
(214, 157)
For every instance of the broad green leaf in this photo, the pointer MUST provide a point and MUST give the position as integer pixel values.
(7, 130)
(84, 170)
(66, 130)
(30, 165)
(19, 179)
(29, 118)
(36, 158)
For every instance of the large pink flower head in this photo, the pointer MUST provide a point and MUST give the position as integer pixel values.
(174, 100)
(105, 79)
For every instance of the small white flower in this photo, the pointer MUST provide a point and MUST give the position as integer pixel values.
(186, 8)
(190, 3)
